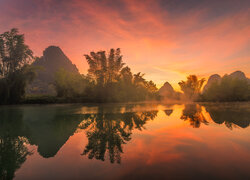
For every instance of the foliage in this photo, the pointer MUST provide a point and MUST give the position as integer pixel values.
(14, 54)
(69, 84)
(228, 89)
(114, 82)
(105, 69)
(40, 99)
(15, 73)
(13, 86)
(191, 87)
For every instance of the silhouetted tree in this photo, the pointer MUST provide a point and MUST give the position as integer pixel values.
(14, 54)
(228, 89)
(15, 72)
(105, 68)
(192, 86)
(114, 82)
(126, 76)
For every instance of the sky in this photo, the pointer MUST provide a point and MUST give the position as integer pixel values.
(165, 39)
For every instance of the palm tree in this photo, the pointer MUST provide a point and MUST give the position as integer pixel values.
(192, 86)
(105, 69)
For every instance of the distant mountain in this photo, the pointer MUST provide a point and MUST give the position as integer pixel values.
(168, 92)
(52, 60)
(166, 89)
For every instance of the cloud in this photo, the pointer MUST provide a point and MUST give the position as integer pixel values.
(165, 39)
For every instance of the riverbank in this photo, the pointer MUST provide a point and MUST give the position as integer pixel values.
(50, 99)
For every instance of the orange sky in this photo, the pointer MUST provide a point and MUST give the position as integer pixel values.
(166, 39)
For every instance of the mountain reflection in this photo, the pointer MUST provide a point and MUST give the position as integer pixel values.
(168, 112)
(193, 114)
(109, 131)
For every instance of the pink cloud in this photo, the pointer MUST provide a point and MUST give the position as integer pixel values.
(165, 46)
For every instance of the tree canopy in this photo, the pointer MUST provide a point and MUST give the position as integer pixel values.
(14, 53)
(105, 67)
(15, 71)
(228, 89)
(192, 86)
(114, 81)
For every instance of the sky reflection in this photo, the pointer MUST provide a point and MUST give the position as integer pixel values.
(148, 144)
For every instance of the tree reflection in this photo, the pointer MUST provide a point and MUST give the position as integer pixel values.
(13, 151)
(109, 131)
(193, 114)
(13, 154)
(233, 115)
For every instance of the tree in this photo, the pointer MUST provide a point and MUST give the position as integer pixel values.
(14, 54)
(114, 82)
(70, 84)
(192, 86)
(15, 71)
(126, 75)
(105, 68)
(228, 89)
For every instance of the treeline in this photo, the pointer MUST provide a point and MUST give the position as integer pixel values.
(226, 89)
(108, 79)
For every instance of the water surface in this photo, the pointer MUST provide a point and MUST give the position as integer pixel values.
(125, 141)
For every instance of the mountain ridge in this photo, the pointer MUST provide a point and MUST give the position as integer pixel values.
(52, 60)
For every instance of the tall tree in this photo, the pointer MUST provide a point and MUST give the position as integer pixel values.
(114, 82)
(192, 86)
(14, 54)
(15, 71)
(105, 67)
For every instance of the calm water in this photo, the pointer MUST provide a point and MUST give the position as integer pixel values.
(133, 141)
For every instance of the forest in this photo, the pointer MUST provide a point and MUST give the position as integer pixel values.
(108, 79)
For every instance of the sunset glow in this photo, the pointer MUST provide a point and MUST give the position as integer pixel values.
(124, 89)
(167, 40)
